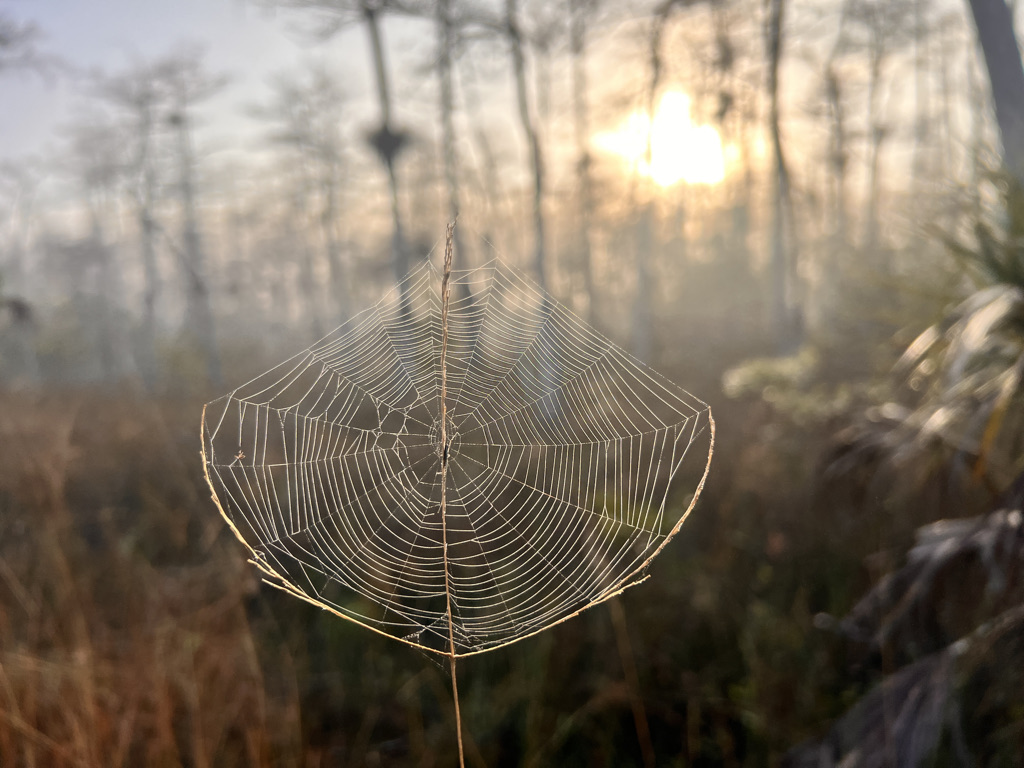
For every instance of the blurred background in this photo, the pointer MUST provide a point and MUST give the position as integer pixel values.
(806, 212)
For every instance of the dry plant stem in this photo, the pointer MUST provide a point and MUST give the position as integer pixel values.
(643, 731)
(36, 736)
(445, 294)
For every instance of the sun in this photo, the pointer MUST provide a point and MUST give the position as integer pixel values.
(680, 150)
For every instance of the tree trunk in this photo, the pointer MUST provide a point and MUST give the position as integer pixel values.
(199, 318)
(309, 299)
(876, 138)
(388, 144)
(643, 317)
(994, 23)
(837, 154)
(532, 139)
(823, 303)
(147, 248)
(920, 97)
(978, 105)
(113, 354)
(139, 93)
(446, 44)
(15, 302)
(581, 124)
(340, 277)
(785, 310)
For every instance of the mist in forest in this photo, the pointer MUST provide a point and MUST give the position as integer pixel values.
(808, 214)
(179, 198)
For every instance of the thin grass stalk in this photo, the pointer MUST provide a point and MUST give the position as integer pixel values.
(445, 294)
(643, 731)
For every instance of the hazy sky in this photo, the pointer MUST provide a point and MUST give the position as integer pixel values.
(241, 39)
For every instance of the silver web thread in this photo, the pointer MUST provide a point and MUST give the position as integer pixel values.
(553, 449)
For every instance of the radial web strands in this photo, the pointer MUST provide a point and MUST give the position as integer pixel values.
(561, 452)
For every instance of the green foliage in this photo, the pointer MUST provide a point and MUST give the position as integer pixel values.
(997, 258)
(963, 375)
(942, 622)
(796, 386)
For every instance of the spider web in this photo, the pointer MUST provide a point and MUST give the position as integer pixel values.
(561, 453)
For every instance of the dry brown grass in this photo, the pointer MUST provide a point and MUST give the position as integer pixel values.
(124, 635)
(133, 632)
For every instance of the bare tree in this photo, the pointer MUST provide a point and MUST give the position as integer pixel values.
(644, 242)
(188, 83)
(138, 92)
(885, 25)
(96, 158)
(307, 114)
(786, 310)
(994, 23)
(18, 191)
(838, 151)
(19, 46)
(921, 102)
(546, 30)
(387, 139)
(446, 42)
(642, 320)
(838, 139)
(18, 51)
(514, 35)
(579, 15)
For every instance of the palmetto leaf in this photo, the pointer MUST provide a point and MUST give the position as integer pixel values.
(951, 618)
(965, 376)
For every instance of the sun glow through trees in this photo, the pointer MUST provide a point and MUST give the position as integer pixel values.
(680, 150)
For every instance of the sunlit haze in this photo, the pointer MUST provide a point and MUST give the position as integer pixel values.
(417, 311)
(680, 150)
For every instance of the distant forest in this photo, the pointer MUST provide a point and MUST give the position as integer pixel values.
(854, 135)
